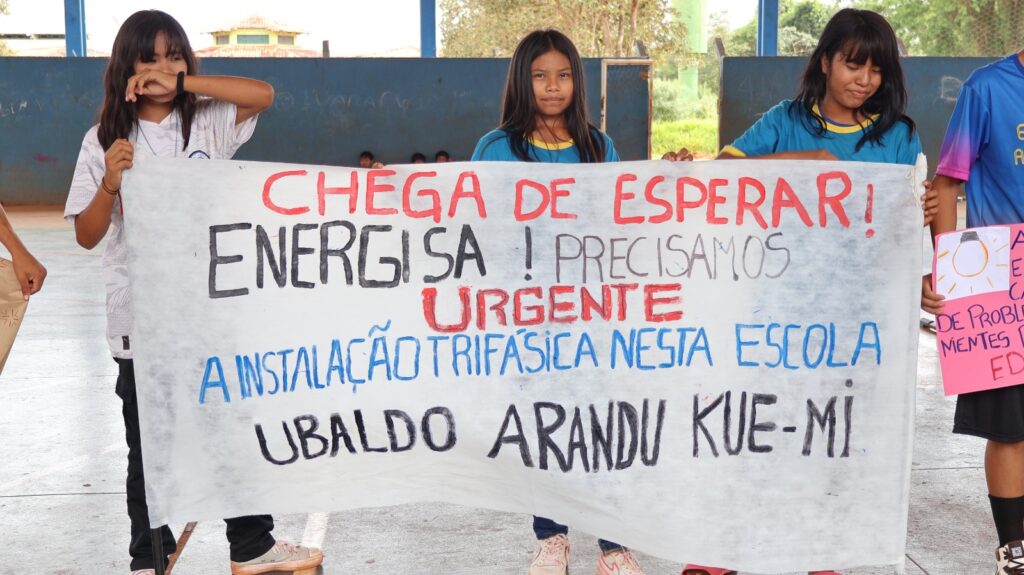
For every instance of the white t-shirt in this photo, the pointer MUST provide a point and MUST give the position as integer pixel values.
(214, 136)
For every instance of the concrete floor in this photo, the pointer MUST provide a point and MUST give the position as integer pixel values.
(62, 477)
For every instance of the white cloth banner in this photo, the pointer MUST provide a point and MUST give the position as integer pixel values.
(707, 361)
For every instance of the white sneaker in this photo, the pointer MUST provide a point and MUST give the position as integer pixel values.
(282, 556)
(144, 572)
(1010, 559)
(618, 562)
(552, 557)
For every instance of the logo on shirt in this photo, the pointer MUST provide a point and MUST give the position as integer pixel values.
(1018, 154)
(199, 154)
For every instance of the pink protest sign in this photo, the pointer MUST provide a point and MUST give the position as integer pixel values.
(981, 329)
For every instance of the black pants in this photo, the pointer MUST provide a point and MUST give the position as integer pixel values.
(249, 537)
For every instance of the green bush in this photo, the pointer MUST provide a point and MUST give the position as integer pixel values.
(700, 136)
(670, 104)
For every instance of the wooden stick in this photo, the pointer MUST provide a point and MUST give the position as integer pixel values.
(182, 541)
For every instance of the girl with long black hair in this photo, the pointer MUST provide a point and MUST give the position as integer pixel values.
(851, 107)
(155, 103)
(544, 118)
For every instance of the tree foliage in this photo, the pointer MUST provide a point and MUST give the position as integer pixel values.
(955, 27)
(4, 50)
(800, 26)
(807, 16)
(484, 28)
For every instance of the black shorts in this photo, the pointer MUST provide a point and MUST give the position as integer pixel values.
(996, 414)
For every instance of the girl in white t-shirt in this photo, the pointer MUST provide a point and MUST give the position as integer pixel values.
(155, 103)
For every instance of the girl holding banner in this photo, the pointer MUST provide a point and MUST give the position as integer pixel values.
(850, 107)
(984, 149)
(851, 104)
(544, 118)
(156, 104)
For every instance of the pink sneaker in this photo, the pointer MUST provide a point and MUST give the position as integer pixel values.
(618, 562)
(552, 557)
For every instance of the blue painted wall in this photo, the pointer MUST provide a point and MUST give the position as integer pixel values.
(751, 85)
(326, 112)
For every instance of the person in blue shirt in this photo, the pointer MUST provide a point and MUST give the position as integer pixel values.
(544, 118)
(851, 107)
(544, 115)
(984, 149)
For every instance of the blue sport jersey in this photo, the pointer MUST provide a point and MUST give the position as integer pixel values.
(782, 129)
(494, 147)
(984, 143)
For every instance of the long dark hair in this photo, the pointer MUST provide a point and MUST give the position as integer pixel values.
(134, 42)
(519, 106)
(859, 35)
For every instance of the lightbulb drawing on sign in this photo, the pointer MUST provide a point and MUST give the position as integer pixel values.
(973, 262)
